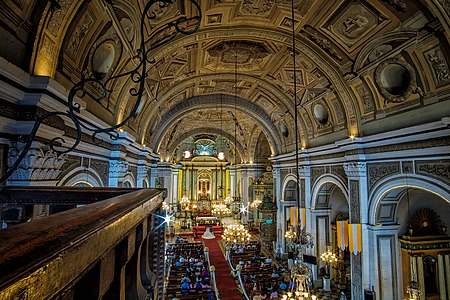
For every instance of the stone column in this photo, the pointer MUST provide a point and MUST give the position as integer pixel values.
(117, 170)
(153, 174)
(232, 180)
(174, 184)
(280, 217)
(142, 170)
(305, 193)
(357, 181)
(447, 272)
(420, 276)
(441, 272)
(165, 180)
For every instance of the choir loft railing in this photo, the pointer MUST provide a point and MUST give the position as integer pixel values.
(110, 249)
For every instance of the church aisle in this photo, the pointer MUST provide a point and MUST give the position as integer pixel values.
(225, 283)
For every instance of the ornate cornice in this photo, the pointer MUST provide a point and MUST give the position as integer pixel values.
(38, 165)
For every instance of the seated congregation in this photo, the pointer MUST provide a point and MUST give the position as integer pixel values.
(189, 276)
(262, 279)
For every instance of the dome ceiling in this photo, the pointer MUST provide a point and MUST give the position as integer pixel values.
(241, 58)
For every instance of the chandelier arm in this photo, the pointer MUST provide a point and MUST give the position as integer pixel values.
(137, 75)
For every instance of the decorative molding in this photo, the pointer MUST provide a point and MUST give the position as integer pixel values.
(134, 171)
(356, 278)
(339, 171)
(440, 170)
(445, 4)
(79, 34)
(438, 65)
(399, 5)
(58, 15)
(325, 45)
(367, 98)
(258, 7)
(393, 65)
(304, 171)
(316, 172)
(407, 167)
(38, 164)
(356, 169)
(102, 168)
(354, 202)
(244, 52)
(377, 171)
(71, 163)
(118, 168)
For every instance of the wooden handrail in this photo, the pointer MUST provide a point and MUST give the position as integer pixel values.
(35, 249)
(59, 195)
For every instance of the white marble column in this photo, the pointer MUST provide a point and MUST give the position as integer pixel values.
(357, 181)
(441, 276)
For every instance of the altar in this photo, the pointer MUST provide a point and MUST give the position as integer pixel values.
(201, 223)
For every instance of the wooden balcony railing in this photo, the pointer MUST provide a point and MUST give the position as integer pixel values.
(104, 250)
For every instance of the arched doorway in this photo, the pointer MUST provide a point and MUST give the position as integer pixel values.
(331, 210)
(411, 223)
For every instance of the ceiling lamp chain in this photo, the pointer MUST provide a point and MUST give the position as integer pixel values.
(297, 236)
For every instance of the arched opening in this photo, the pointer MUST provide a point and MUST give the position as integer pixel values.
(419, 217)
(331, 215)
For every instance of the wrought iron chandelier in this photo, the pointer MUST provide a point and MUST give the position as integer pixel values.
(183, 24)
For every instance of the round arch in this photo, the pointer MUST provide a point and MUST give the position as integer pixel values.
(208, 101)
(319, 184)
(81, 174)
(398, 181)
(206, 130)
(286, 181)
(129, 178)
(304, 47)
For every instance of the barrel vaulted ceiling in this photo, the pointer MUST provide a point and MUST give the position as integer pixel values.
(234, 76)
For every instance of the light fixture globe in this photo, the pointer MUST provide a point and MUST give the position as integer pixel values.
(186, 154)
(221, 155)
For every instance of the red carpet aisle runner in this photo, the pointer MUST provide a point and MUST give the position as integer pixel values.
(225, 283)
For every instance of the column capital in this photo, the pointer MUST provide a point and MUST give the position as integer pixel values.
(118, 168)
(304, 171)
(355, 169)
